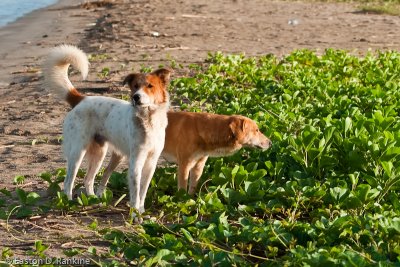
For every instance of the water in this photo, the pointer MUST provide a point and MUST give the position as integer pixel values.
(10, 10)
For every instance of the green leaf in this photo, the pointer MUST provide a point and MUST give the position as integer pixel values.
(347, 125)
(93, 225)
(309, 134)
(257, 174)
(23, 212)
(107, 197)
(390, 154)
(40, 247)
(187, 235)
(161, 258)
(395, 225)
(6, 192)
(19, 179)
(353, 202)
(92, 250)
(240, 176)
(71, 252)
(83, 200)
(22, 195)
(387, 167)
(354, 177)
(362, 191)
(130, 253)
(32, 198)
(46, 176)
(338, 193)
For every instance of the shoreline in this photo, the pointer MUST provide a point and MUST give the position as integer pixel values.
(28, 38)
(14, 12)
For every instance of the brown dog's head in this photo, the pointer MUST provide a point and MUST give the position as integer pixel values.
(247, 134)
(149, 89)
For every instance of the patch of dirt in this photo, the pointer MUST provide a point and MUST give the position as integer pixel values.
(132, 34)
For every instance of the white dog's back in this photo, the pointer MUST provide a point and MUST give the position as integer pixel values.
(101, 119)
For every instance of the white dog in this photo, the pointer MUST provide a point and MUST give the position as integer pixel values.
(134, 129)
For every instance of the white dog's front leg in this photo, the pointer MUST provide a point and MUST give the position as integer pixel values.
(148, 171)
(136, 163)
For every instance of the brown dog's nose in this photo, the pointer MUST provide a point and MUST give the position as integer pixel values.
(269, 143)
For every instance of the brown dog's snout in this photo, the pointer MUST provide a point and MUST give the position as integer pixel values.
(269, 143)
(266, 143)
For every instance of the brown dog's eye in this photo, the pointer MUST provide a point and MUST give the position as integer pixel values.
(149, 85)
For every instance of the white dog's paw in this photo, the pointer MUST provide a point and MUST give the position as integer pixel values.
(135, 216)
(141, 210)
(137, 219)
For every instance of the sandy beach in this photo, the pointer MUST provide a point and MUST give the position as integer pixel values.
(24, 117)
(28, 38)
(123, 36)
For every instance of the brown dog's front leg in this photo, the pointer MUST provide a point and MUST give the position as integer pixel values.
(183, 175)
(195, 174)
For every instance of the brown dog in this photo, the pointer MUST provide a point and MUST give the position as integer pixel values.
(193, 137)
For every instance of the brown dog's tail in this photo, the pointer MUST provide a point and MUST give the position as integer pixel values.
(55, 70)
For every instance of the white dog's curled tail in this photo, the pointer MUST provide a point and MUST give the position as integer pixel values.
(55, 70)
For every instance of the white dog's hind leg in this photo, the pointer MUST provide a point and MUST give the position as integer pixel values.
(74, 160)
(76, 140)
(95, 155)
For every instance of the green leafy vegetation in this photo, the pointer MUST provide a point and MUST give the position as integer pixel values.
(98, 57)
(388, 7)
(104, 73)
(326, 193)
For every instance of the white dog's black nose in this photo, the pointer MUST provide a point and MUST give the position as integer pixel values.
(136, 99)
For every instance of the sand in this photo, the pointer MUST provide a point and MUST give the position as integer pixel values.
(28, 38)
(132, 34)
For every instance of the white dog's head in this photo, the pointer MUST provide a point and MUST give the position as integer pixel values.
(149, 88)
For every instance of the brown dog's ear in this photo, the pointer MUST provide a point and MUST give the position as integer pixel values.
(244, 124)
(237, 126)
(164, 75)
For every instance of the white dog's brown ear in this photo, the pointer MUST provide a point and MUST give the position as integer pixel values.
(128, 79)
(164, 75)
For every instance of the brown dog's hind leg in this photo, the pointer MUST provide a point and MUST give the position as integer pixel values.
(184, 167)
(95, 155)
(183, 174)
(114, 161)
